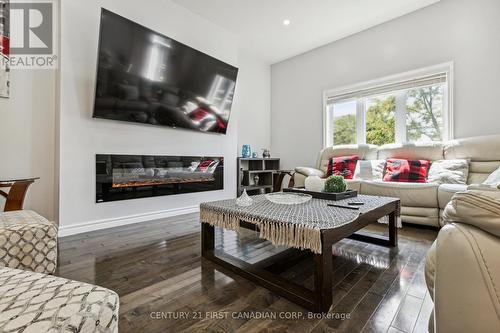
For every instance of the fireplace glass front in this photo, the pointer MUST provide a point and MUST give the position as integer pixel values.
(122, 177)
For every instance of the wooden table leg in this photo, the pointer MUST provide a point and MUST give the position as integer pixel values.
(17, 193)
(393, 231)
(323, 276)
(207, 240)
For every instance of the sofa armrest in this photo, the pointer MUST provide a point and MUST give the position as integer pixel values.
(480, 209)
(310, 171)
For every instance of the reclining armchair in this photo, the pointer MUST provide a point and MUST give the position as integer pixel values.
(462, 267)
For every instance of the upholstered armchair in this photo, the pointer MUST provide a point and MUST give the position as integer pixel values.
(28, 241)
(463, 267)
(33, 301)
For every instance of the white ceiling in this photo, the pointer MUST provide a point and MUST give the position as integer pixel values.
(259, 23)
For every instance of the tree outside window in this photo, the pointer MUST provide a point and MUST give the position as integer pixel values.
(424, 114)
(381, 120)
(344, 123)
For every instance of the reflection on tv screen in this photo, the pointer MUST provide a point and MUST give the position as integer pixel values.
(146, 77)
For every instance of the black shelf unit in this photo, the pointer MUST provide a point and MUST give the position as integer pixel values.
(248, 168)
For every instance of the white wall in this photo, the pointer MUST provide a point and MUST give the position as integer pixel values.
(254, 103)
(81, 137)
(463, 31)
(27, 134)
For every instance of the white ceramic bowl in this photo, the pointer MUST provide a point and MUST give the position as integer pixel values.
(288, 198)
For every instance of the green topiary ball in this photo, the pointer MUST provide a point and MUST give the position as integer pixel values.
(335, 184)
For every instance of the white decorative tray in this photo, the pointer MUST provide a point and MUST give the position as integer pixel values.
(288, 198)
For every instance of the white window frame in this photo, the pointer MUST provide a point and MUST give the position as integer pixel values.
(446, 68)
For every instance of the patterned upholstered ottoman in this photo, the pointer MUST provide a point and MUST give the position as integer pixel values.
(37, 303)
(28, 241)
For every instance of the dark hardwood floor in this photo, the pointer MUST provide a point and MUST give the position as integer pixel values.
(165, 286)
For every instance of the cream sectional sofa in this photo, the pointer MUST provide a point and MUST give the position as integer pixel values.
(421, 203)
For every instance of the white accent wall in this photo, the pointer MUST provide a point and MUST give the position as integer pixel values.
(463, 31)
(254, 103)
(81, 136)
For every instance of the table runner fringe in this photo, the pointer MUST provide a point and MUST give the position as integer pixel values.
(290, 235)
(220, 220)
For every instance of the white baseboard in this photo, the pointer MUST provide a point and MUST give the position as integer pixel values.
(124, 220)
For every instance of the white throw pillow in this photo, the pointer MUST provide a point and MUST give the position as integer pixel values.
(369, 170)
(449, 172)
(493, 179)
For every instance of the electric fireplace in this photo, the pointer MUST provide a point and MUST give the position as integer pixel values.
(122, 177)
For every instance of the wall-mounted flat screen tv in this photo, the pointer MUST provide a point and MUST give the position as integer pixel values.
(146, 77)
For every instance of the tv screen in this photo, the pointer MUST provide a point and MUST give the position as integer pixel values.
(146, 77)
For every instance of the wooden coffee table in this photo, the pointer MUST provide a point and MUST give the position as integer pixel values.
(320, 298)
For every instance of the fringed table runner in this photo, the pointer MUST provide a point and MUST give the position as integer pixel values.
(297, 226)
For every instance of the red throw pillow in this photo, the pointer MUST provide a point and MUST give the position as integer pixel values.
(408, 171)
(342, 166)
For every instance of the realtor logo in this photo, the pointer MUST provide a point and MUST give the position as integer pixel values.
(31, 29)
(30, 39)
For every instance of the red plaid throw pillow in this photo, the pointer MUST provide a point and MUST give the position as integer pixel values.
(342, 166)
(409, 171)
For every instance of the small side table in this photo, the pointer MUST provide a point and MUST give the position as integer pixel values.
(15, 196)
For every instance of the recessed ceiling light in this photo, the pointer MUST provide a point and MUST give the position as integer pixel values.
(286, 22)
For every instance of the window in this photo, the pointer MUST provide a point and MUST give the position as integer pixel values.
(344, 122)
(410, 107)
(380, 114)
(424, 114)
